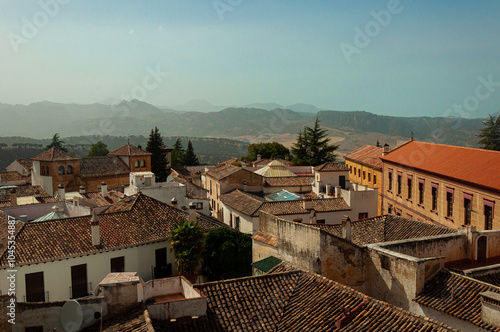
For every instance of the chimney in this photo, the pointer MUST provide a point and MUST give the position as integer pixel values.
(245, 183)
(192, 211)
(13, 197)
(346, 228)
(385, 149)
(23, 218)
(328, 188)
(37, 193)
(82, 190)
(104, 189)
(337, 191)
(173, 202)
(307, 204)
(61, 192)
(94, 230)
(259, 157)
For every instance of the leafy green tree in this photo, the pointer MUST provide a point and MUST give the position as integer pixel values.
(190, 159)
(187, 241)
(98, 149)
(312, 147)
(227, 254)
(57, 143)
(490, 134)
(267, 150)
(158, 155)
(178, 154)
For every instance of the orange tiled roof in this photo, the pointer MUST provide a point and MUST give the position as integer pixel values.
(290, 181)
(386, 228)
(458, 296)
(280, 208)
(330, 167)
(103, 166)
(241, 201)
(368, 154)
(474, 166)
(145, 220)
(223, 171)
(96, 198)
(294, 301)
(26, 163)
(129, 150)
(54, 154)
(13, 176)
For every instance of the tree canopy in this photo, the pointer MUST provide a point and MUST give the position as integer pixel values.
(98, 149)
(158, 155)
(227, 254)
(489, 136)
(57, 143)
(187, 241)
(266, 151)
(178, 154)
(312, 147)
(190, 159)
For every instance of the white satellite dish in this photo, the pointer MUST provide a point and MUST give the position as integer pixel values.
(71, 316)
(170, 178)
(311, 181)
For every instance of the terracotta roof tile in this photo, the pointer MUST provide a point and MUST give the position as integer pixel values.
(129, 150)
(265, 238)
(474, 166)
(103, 166)
(223, 171)
(458, 296)
(13, 176)
(145, 221)
(294, 301)
(291, 181)
(95, 197)
(368, 154)
(296, 206)
(330, 167)
(386, 228)
(26, 163)
(241, 201)
(54, 154)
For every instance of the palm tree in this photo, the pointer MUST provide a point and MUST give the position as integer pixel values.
(187, 241)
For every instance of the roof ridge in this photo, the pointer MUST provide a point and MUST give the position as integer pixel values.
(243, 279)
(484, 283)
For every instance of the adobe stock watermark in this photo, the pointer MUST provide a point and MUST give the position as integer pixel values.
(372, 29)
(32, 26)
(150, 82)
(223, 6)
(11, 272)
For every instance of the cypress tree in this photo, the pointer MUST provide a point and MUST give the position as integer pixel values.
(158, 155)
(190, 159)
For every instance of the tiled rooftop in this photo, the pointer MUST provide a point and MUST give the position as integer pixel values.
(264, 162)
(386, 228)
(223, 171)
(13, 176)
(95, 197)
(294, 301)
(368, 155)
(330, 167)
(267, 263)
(144, 220)
(469, 165)
(457, 295)
(291, 181)
(129, 150)
(103, 166)
(296, 206)
(241, 201)
(26, 163)
(54, 154)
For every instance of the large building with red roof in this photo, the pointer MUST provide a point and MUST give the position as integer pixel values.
(448, 185)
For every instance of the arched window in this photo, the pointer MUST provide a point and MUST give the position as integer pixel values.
(61, 170)
(69, 169)
(143, 163)
(137, 163)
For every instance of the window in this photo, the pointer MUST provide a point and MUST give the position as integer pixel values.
(421, 191)
(468, 208)
(390, 180)
(410, 186)
(237, 222)
(143, 163)
(61, 170)
(364, 175)
(199, 205)
(79, 286)
(359, 173)
(350, 169)
(398, 212)
(69, 169)
(399, 182)
(369, 177)
(35, 291)
(389, 209)
(354, 170)
(374, 179)
(363, 215)
(434, 196)
(449, 202)
(118, 264)
(409, 216)
(488, 214)
(136, 164)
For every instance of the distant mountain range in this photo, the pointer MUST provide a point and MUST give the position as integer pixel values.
(252, 123)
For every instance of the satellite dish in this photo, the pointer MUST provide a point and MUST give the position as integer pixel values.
(170, 178)
(71, 316)
(311, 181)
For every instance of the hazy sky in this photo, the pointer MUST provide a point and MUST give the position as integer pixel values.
(386, 57)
